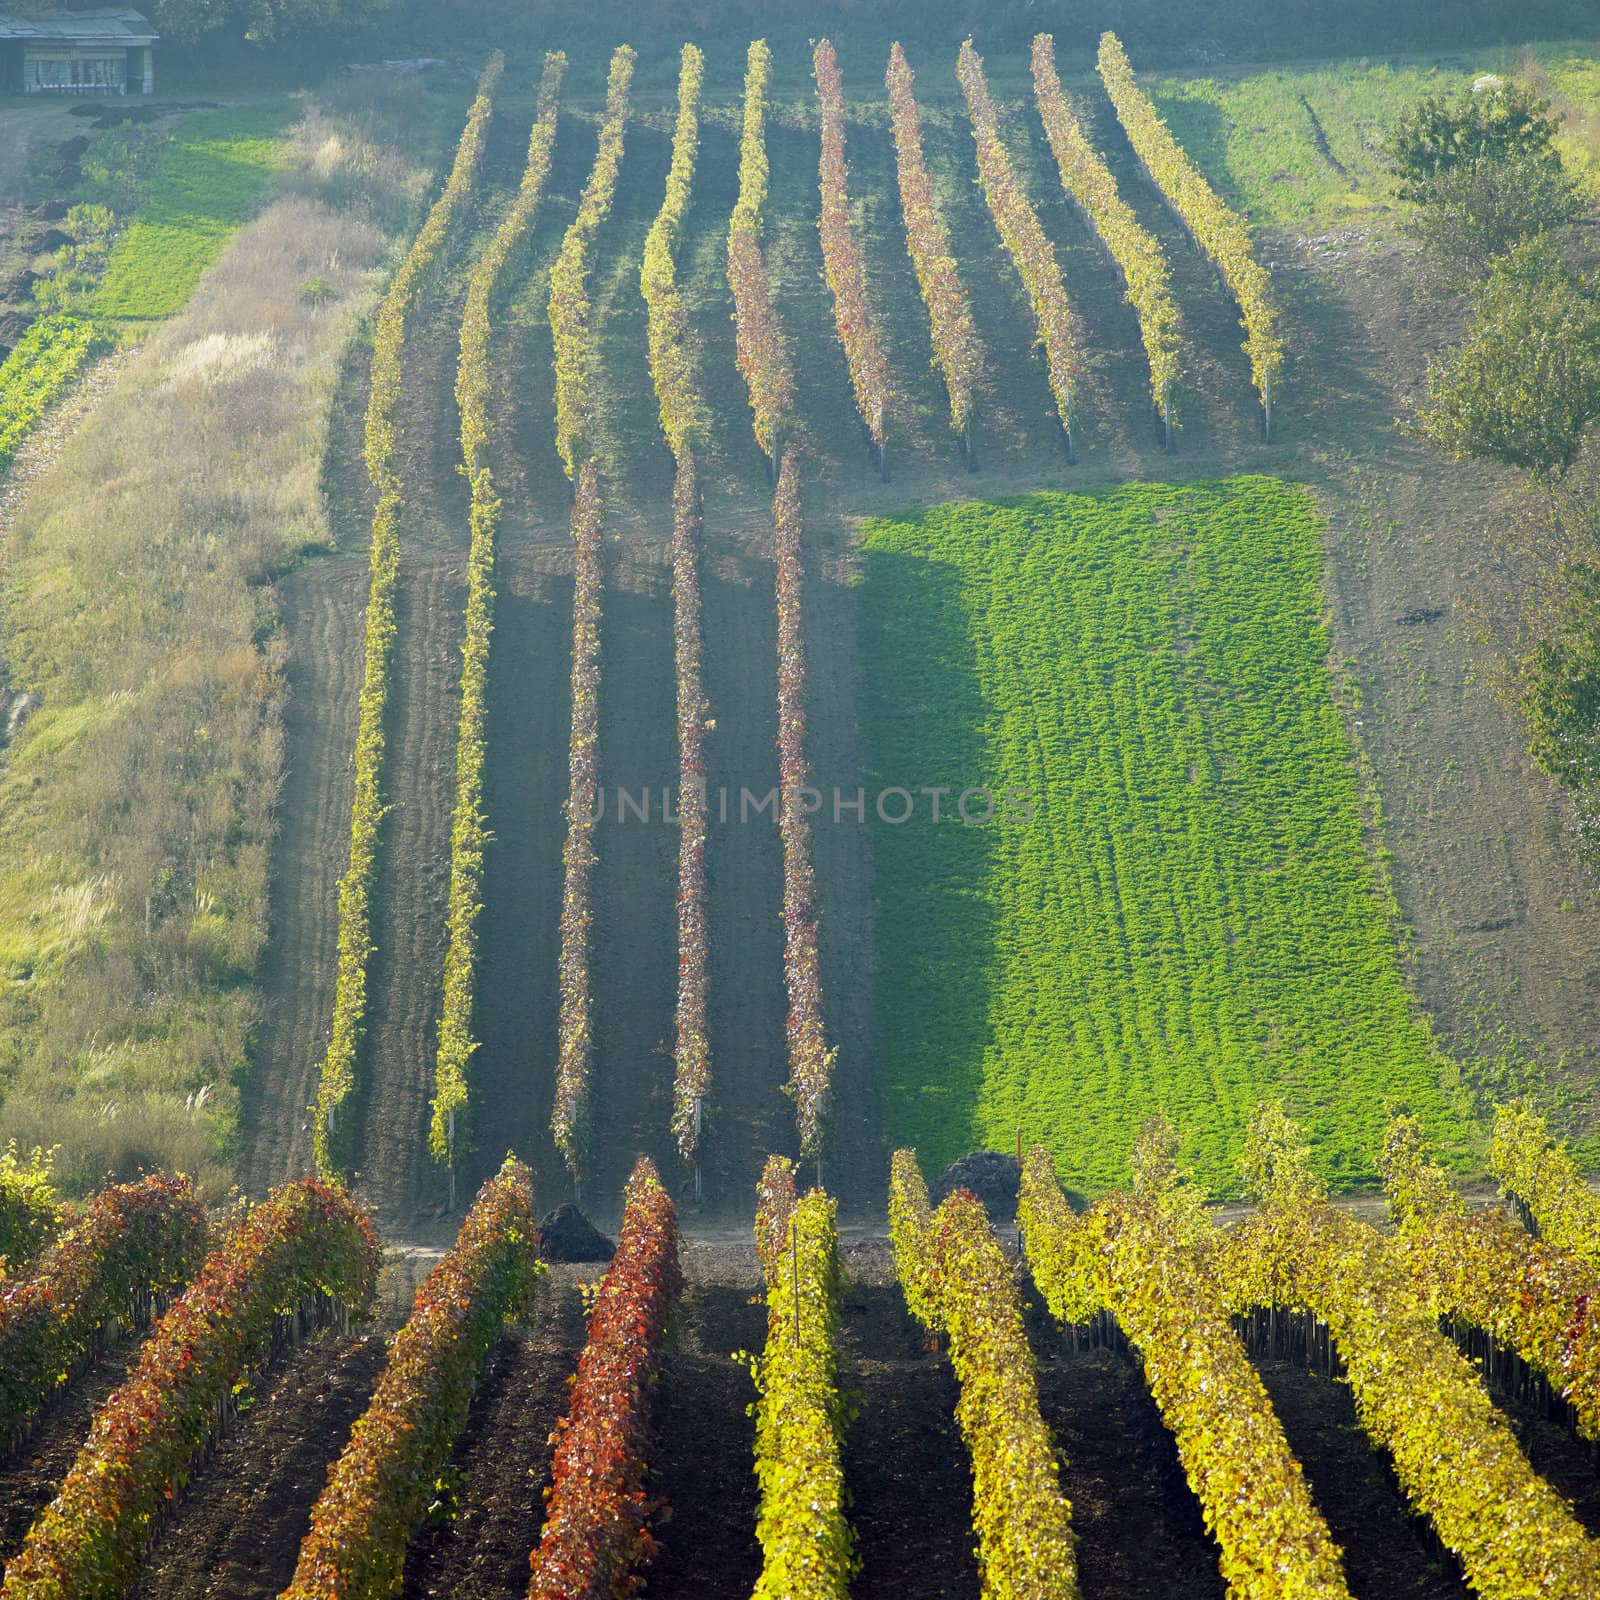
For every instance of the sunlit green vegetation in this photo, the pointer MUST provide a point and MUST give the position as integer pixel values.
(1194, 917)
(209, 179)
(45, 361)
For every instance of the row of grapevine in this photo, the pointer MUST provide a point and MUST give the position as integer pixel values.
(575, 1043)
(1218, 230)
(131, 1246)
(379, 1488)
(810, 1059)
(575, 354)
(38, 371)
(303, 1247)
(1141, 1259)
(956, 351)
(807, 1547)
(594, 1536)
(1479, 1270)
(957, 1281)
(1024, 238)
(1135, 251)
(671, 361)
(692, 1057)
(468, 835)
(1454, 1453)
(338, 1072)
(841, 258)
(759, 349)
(1540, 1177)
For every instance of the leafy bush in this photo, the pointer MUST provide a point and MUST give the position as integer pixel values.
(1216, 229)
(671, 361)
(129, 1247)
(305, 1245)
(956, 351)
(810, 1059)
(30, 1208)
(1139, 679)
(37, 372)
(759, 344)
(594, 1536)
(468, 836)
(574, 1032)
(379, 1488)
(1478, 1269)
(1135, 251)
(1024, 238)
(1492, 120)
(841, 255)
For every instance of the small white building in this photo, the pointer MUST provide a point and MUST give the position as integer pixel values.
(78, 53)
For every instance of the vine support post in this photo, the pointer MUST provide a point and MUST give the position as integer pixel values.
(794, 1253)
(1166, 415)
(450, 1155)
(1266, 405)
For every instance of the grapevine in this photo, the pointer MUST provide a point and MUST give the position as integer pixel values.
(468, 836)
(1024, 238)
(955, 338)
(841, 257)
(1218, 231)
(337, 1079)
(1139, 258)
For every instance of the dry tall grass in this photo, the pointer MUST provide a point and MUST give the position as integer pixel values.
(136, 804)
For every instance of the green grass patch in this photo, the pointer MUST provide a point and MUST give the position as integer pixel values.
(46, 359)
(1193, 919)
(1257, 141)
(210, 178)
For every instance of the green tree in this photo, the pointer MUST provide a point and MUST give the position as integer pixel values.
(1523, 387)
(1475, 211)
(1491, 121)
(260, 21)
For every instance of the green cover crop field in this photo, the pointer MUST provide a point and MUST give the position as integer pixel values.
(1192, 919)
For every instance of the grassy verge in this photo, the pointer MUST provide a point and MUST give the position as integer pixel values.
(137, 803)
(1176, 906)
(209, 179)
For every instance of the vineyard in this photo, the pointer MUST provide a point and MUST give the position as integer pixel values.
(831, 663)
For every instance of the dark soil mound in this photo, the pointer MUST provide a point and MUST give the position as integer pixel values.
(565, 1234)
(989, 1175)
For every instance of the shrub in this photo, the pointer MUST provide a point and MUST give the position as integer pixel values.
(338, 1074)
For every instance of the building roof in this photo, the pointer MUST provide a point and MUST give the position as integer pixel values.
(111, 26)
